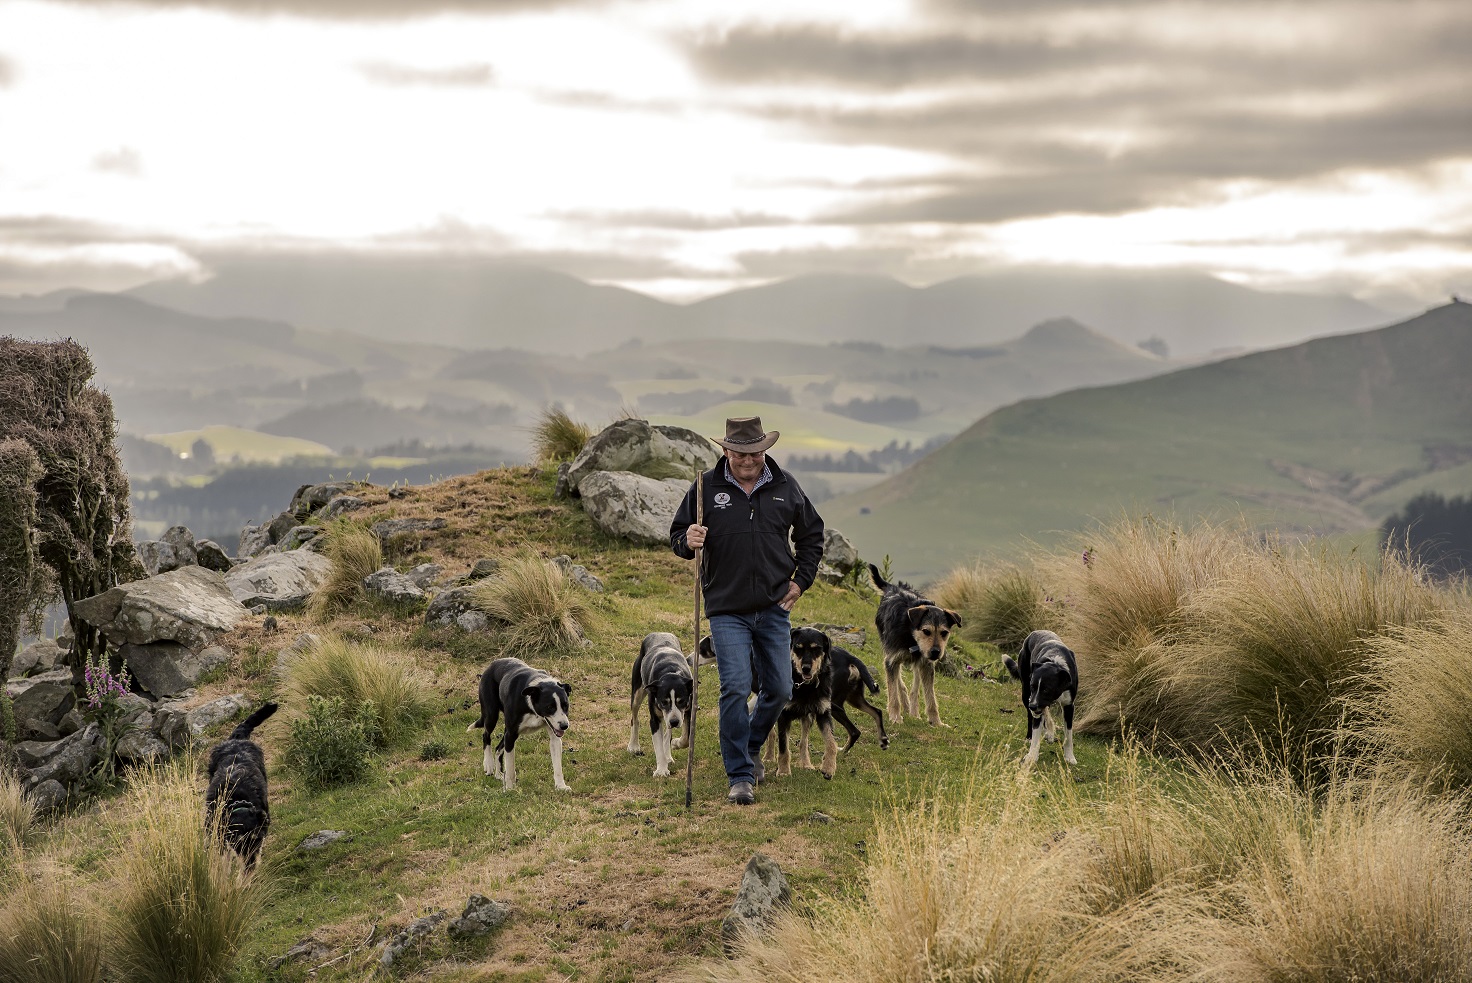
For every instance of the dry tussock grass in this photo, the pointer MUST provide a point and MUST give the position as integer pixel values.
(355, 554)
(537, 606)
(17, 813)
(556, 436)
(48, 933)
(360, 672)
(997, 607)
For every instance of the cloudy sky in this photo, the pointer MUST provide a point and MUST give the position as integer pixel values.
(683, 147)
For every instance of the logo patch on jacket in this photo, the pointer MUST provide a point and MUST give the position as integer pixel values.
(722, 500)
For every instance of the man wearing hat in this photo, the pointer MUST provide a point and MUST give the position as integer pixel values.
(751, 580)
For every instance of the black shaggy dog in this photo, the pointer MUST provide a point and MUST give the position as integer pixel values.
(812, 700)
(1049, 675)
(851, 677)
(914, 632)
(237, 771)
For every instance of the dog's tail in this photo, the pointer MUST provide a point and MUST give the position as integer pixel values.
(243, 729)
(879, 581)
(865, 676)
(479, 721)
(1012, 666)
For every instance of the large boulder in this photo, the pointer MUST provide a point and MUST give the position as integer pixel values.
(310, 498)
(641, 447)
(67, 761)
(253, 541)
(191, 605)
(177, 726)
(157, 557)
(631, 506)
(763, 892)
(168, 668)
(40, 702)
(279, 581)
(840, 557)
(182, 541)
(42, 655)
(389, 585)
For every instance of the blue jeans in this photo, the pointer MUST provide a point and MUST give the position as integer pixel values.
(753, 654)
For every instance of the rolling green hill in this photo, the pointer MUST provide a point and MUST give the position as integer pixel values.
(1326, 437)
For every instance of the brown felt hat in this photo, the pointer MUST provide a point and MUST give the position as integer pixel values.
(744, 434)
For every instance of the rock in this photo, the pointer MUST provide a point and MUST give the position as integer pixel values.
(168, 668)
(280, 581)
(472, 622)
(298, 536)
(321, 839)
(157, 557)
(178, 727)
(577, 573)
(638, 446)
(253, 540)
(631, 506)
(840, 557)
(849, 636)
(763, 891)
(190, 605)
(71, 722)
(484, 568)
(182, 540)
(307, 950)
(398, 533)
(820, 817)
(341, 505)
(142, 746)
(48, 796)
(284, 523)
(42, 655)
(449, 605)
(425, 575)
(401, 942)
(482, 916)
(310, 498)
(269, 622)
(562, 487)
(70, 759)
(390, 585)
(398, 491)
(212, 556)
(40, 702)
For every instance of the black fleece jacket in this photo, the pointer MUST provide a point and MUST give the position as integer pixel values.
(746, 557)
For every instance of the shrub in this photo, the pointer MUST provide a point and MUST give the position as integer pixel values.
(997, 609)
(360, 673)
(1418, 699)
(537, 606)
(46, 933)
(434, 749)
(17, 812)
(332, 744)
(355, 554)
(557, 436)
(180, 905)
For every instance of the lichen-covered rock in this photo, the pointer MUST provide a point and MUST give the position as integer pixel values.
(400, 533)
(762, 893)
(68, 760)
(40, 656)
(168, 668)
(310, 498)
(401, 942)
(482, 915)
(280, 581)
(643, 448)
(839, 555)
(178, 727)
(39, 704)
(157, 557)
(449, 605)
(48, 796)
(253, 541)
(578, 574)
(191, 605)
(212, 556)
(390, 585)
(631, 506)
(341, 505)
(182, 540)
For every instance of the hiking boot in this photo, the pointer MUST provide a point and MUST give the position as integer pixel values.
(741, 794)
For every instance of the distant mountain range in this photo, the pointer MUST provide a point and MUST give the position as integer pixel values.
(474, 304)
(1325, 437)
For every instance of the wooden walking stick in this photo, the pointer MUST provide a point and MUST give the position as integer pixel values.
(695, 667)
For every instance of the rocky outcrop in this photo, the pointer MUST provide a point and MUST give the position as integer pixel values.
(191, 605)
(389, 585)
(40, 656)
(311, 498)
(212, 556)
(167, 668)
(631, 506)
(455, 608)
(279, 581)
(643, 448)
(762, 894)
(840, 557)
(40, 703)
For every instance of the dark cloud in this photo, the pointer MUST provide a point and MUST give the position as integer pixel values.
(475, 75)
(347, 9)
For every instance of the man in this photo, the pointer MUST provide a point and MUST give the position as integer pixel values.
(751, 581)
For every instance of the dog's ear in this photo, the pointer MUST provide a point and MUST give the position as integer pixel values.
(827, 642)
(917, 614)
(952, 618)
(566, 687)
(793, 634)
(708, 647)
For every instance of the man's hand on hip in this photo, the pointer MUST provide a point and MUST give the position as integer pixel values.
(793, 593)
(695, 537)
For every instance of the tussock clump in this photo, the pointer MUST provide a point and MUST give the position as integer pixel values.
(17, 813)
(997, 608)
(47, 933)
(355, 553)
(537, 606)
(1417, 699)
(331, 745)
(360, 673)
(180, 905)
(556, 436)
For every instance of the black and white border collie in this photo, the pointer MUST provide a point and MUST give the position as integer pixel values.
(531, 699)
(1049, 675)
(237, 787)
(662, 673)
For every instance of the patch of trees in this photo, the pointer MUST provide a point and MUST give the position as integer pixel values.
(881, 409)
(1436, 530)
(893, 456)
(64, 521)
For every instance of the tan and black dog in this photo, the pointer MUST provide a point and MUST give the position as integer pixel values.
(914, 632)
(812, 701)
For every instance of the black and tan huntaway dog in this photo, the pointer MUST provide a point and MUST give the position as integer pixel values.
(812, 701)
(237, 786)
(663, 674)
(851, 677)
(914, 632)
(1049, 675)
(531, 699)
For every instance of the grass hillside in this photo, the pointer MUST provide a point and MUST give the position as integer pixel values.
(1325, 437)
(934, 859)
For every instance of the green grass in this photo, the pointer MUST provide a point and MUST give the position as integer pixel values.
(245, 446)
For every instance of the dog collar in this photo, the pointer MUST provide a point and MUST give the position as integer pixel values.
(239, 805)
